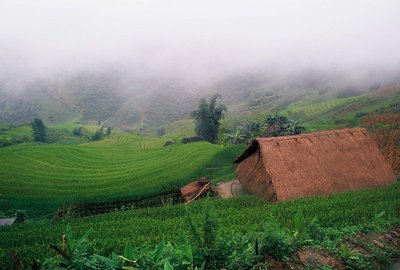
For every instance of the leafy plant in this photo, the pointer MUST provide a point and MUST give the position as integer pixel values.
(277, 243)
(128, 259)
(20, 216)
(281, 125)
(235, 137)
(354, 259)
(78, 254)
(300, 233)
(315, 232)
(205, 239)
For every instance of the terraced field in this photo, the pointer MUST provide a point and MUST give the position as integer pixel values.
(314, 109)
(41, 178)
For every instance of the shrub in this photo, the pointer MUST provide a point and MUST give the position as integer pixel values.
(277, 243)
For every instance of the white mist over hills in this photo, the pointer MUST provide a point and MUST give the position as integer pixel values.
(195, 39)
(128, 56)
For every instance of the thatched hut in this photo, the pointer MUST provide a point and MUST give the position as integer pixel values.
(282, 168)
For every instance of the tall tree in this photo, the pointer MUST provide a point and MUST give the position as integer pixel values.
(39, 130)
(207, 118)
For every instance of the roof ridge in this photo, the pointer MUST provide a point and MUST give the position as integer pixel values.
(313, 134)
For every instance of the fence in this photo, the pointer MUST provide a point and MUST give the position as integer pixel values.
(95, 208)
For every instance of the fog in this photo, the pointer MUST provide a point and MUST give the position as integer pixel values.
(195, 39)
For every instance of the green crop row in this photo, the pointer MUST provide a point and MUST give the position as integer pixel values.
(241, 215)
(42, 178)
(315, 109)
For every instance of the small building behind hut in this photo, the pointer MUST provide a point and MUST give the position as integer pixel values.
(288, 167)
(6, 221)
(196, 189)
(228, 189)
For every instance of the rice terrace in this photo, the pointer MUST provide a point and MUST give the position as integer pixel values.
(199, 135)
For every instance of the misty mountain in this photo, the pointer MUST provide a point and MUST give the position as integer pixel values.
(122, 101)
(96, 96)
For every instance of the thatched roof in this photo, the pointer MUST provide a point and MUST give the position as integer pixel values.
(312, 164)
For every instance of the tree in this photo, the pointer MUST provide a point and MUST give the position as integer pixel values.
(108, 131)
(39, 130)
(98, 135)
(207, 118)
(161, 131)
(281, 125)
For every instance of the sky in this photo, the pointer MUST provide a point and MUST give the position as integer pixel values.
(195, 38)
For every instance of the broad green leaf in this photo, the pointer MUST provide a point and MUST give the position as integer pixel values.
(299, 223)
(69, 235)
(167, 265)
(128, 251)
(159, 250)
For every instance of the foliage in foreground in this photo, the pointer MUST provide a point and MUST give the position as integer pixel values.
(205, 247)
(325, 220)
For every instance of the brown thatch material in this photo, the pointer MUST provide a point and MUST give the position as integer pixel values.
(228, 189)
(194, 189)
(281, 168)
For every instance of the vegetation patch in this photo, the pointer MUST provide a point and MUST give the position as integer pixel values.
(327, 221)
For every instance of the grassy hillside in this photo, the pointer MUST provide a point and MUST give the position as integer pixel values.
(242, 215)
(41, 178)
(309, 111)
(15, 133)
(60, 133)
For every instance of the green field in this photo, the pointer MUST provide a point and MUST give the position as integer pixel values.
(41, 178)
(348, 212)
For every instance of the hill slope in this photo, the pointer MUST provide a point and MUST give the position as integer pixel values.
(41, 178)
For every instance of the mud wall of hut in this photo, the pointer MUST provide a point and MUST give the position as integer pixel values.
(254, 177)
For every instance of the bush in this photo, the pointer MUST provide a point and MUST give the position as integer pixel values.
(79, 254)
(277, 243)
(5, 143)
(20, 216)
(77, 131)
(98, 135)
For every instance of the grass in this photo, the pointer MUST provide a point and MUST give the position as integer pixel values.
(42, 178)
(244, 214)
